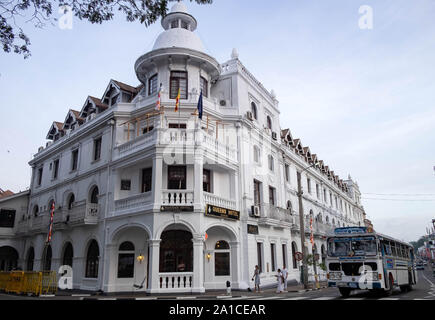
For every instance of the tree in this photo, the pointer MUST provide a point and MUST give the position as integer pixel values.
(13, 13)
(420, 242)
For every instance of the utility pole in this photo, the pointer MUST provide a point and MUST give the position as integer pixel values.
(302, 229)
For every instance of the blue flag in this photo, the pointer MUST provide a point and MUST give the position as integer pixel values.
(200, 106)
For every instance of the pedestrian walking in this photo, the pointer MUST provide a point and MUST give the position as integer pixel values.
(284, 275)
(256, 278)
(280, 279)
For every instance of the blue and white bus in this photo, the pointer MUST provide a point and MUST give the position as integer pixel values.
(358, 258)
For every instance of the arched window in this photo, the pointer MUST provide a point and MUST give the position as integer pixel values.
(46, 258)
(294, 250)
(30, 259)
(254, 110)
(256, 154)
(289, 206)
(50, 204)
(327, 219)
(176, 251)
(222, 258)
(126, 260)
(92, 258)
(271, 164)
(94, 195)
(35, 210)
(8, 258)
(269, 122)
(70, 202)
(68, 255)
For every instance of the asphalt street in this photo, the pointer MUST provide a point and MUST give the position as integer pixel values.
(423, 290)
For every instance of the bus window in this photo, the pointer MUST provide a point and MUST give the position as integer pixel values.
(387, 248)
(393, 249)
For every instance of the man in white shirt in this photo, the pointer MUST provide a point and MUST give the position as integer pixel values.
(285, 275)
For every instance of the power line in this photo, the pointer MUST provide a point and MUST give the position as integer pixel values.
(402, 194)
(384, 199)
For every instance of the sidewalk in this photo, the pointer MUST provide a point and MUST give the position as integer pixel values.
(293, 287)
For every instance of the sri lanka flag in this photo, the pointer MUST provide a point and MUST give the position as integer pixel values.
(177, 101)
(200, 106)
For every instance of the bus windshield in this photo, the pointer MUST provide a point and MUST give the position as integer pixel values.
(352, 246)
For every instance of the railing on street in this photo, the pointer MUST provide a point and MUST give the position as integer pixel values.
(28, 282)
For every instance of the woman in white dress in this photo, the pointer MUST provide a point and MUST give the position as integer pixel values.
(280, 279)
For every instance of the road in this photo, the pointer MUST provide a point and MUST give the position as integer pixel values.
(424, 290)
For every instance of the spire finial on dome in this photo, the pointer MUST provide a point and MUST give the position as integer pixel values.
(234, 54)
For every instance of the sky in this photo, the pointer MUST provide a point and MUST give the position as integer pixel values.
(363, 100)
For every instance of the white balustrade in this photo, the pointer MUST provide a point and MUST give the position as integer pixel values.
(177, 197)
(182, 281)
(92, 210)
(137, 143)
(135, 201)
(218, 201)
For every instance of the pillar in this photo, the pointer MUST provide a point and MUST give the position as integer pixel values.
(234, 260)
(157, 181)
(153, 265)
(198, 264)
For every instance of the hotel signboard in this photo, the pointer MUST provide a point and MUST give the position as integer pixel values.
(176, 208)
(219, 212)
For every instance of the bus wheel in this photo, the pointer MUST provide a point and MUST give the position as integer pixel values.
(389, 291)
(345, 292)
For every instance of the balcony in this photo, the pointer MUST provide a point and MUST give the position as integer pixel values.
(218, 201)
(275, 216)
(40, 223)
(319, 228)
(177, 138)
(135, 202)
(177, 200)
(80, 214)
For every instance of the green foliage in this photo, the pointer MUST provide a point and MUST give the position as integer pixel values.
(40, 13)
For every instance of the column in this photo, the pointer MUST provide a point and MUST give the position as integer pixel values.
(153, 265)
(110, 260)
(157, 181)
(234, 260)
(198, 193)
(198, 264)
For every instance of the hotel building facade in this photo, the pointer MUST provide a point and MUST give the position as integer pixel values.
(163, 201)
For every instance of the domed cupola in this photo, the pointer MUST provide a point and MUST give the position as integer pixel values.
(178, 45)
(179, 30)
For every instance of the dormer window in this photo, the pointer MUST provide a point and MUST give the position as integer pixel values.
(114, 99)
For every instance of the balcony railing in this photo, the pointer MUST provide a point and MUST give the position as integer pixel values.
(218, 201)
(176, 281)
(274, 214)
(177, 197)
(84, 213)
(176, 137)
(133, 202)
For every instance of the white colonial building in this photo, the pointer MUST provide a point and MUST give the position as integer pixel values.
(162, 201)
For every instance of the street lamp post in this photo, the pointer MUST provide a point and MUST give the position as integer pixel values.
(302, 228)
